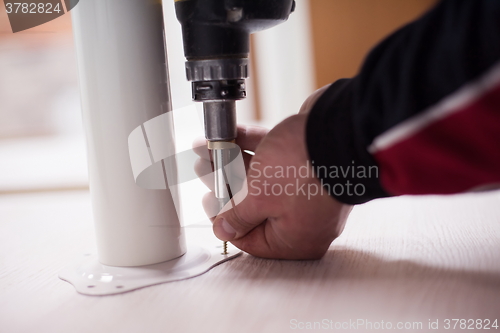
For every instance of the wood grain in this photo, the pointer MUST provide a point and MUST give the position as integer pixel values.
(401, 259)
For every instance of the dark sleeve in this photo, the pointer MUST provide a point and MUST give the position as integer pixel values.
(423, 114)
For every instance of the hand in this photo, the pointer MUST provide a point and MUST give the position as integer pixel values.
(283, 216)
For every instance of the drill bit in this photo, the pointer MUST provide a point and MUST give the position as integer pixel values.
(230, 195)
(223, 193)
(222, 203)
(221, 131)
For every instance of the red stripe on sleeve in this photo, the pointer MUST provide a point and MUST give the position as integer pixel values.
(457, 153)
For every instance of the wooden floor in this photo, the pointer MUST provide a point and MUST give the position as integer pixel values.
(401, 261)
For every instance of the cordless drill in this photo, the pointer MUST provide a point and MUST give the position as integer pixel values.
(216, 36)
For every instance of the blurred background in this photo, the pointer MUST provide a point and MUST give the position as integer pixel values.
(41, 137)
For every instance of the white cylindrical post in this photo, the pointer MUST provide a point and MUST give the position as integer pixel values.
(124, 83)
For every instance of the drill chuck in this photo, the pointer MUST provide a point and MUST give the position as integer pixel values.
(220, 120)
(217, 69)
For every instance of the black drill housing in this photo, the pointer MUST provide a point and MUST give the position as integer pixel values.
(214, 29)
(216, 36)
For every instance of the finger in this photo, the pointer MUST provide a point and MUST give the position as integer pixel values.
(203, 170)
(203, 165)
(200, 148)
(239, 165)
(236, 221)
(210, 205)
(258, 242)
(247, 159)
(204, 153)
(249, 137)
(263, 242)
(235, 172)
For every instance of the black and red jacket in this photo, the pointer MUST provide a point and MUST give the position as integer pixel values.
(424, 109)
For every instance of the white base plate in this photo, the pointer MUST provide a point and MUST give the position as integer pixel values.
(90, 277)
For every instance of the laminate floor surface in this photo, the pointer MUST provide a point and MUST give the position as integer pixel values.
(406, 261)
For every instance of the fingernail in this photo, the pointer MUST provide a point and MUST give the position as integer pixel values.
(225, 231)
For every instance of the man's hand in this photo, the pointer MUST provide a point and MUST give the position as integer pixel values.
(286, 214)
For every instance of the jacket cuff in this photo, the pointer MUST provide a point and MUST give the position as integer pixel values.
(343, 165)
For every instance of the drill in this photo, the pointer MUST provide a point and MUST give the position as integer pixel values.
(216, 38)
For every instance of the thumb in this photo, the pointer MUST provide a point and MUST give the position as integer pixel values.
(237, 220)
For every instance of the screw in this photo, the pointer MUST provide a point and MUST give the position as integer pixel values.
(224, 246)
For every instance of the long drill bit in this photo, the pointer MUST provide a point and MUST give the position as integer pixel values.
(228, 187)
(223, 193)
